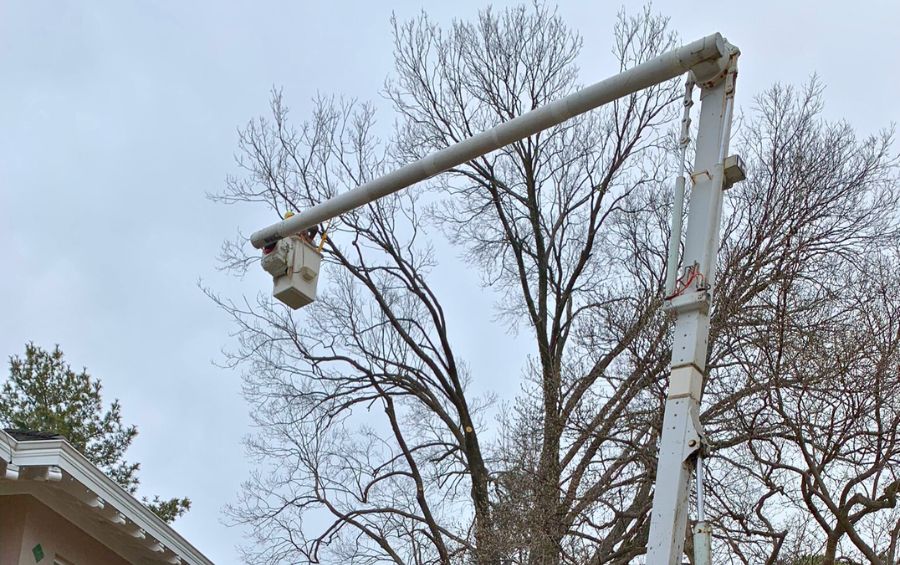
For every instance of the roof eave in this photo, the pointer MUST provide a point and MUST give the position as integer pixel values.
(59, 453)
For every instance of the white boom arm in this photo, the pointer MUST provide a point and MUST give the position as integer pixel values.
(712, 62)
(704, 55)
(682, 436)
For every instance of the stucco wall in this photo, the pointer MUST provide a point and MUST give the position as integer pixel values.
(11, 528)
(31, 522)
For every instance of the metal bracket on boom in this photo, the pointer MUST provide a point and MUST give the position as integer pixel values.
(694, 437)
(697, 300)
(710, 72)
(734, 171)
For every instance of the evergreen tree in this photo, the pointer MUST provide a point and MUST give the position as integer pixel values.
(44, 394)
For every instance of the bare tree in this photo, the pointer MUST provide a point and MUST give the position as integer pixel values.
(362, 409)
(548, 221)
(531, 216)
(802, 401)
(370, 448)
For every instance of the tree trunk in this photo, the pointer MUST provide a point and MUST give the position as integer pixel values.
(487, 550)
(831, 549)
(548, 529)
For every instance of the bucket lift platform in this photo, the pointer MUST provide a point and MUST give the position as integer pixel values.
(294, 264)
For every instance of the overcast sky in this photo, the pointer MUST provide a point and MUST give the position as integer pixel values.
(117, 117)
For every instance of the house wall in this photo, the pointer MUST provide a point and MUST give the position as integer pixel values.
(38, 524)
(11, 527)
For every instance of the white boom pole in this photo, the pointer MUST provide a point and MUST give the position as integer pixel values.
(682, 435)
(702, 53)
(678, 200)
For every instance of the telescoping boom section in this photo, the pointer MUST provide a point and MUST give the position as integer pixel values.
(711, 63)
(704, 55)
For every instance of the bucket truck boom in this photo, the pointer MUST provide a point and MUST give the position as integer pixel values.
(712, 64)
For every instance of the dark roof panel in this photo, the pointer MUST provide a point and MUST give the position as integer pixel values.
(31, 435)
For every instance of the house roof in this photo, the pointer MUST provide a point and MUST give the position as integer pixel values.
(47, 467)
